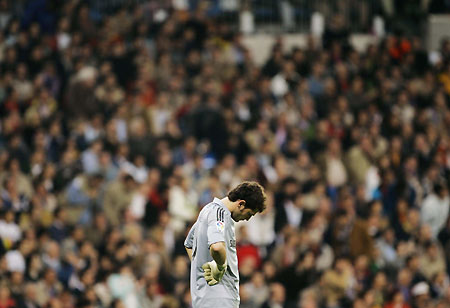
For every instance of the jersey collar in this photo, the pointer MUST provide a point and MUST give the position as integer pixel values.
(219, 202)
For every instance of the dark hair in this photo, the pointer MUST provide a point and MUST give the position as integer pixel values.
(253, 194)
(438, 188)
(410, 258)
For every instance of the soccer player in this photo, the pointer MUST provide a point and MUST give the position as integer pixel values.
(211, 246)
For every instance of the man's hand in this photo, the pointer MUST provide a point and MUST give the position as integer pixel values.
(214, 272)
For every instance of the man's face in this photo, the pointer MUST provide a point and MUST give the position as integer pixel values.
(444, 193)
(243, 213)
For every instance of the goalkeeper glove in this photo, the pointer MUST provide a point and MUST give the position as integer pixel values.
(214, 272)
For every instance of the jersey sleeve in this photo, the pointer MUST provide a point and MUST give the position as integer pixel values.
(189, 241)
(216, 226)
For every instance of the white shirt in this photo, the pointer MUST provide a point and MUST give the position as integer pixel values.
(294, 214)
(336, 172)
(15, 261)
(10, 231)
(260, 229)
(434, 212)
(182, 206)
(137, 205)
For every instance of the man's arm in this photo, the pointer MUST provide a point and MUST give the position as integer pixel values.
(189, 252)
(214, 270)
(189, 242)
(218, 253)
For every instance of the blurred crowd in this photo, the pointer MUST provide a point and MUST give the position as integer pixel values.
(115, 129)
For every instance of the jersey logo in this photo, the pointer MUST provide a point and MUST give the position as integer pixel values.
(220, 226)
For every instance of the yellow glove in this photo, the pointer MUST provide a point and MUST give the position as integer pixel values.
(214, 272)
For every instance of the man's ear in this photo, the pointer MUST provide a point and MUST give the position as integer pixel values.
(241, 203)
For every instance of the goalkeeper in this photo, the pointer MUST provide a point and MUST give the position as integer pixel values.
(211, 246)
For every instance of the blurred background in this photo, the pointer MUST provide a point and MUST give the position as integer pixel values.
(120, 119)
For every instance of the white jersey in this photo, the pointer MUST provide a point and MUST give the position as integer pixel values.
(214, 224)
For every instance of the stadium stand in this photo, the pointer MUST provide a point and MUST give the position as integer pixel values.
(120, 119)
